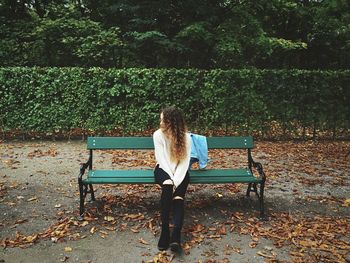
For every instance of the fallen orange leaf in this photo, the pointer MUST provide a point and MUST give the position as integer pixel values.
(93, 230)
(32, 199)
(68, 249)
(260, 253)
(142, 241)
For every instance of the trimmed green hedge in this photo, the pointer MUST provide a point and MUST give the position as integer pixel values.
(129, 100)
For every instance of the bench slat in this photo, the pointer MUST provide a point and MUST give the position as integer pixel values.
(95, 143)
(150, 180)
(223, 172)
(149, 173)
(119, 180)
(223, 180)
(236, 142)
(120, 173)
(146, 176)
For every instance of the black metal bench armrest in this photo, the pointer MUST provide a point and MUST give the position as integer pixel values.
(258, 166)
(83, 167)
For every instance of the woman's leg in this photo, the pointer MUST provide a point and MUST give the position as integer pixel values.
(178, 214)
(163, 179)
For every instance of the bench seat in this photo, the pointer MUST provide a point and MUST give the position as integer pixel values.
(147, 177)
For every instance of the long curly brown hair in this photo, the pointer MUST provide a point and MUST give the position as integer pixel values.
(175, 128)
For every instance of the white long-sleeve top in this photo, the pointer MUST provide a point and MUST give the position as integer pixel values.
(176, 171)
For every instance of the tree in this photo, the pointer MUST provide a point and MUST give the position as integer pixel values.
(330, 35)
(182, 34)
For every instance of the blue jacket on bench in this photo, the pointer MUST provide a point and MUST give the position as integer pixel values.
(199, 149)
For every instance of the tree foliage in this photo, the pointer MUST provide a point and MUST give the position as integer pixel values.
(182, 34)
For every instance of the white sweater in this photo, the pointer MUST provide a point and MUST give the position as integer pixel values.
(176, 171)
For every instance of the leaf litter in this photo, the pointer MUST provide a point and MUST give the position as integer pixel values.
(309, 238)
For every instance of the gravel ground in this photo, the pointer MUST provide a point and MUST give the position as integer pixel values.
(307, 191)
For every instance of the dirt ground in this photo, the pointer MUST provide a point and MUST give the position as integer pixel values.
(306, 196)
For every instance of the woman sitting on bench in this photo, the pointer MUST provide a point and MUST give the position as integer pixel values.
(172, 151)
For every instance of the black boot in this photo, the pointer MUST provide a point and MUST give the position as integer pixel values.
(178, 214)
(165, 205)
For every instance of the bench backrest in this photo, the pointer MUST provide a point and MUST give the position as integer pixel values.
(99, 143)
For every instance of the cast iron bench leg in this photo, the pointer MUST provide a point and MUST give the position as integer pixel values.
(261, 199)
(82, 197)
(92, 193)
(249, 189)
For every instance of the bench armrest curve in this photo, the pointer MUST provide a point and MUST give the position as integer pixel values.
(83, 167)
(258, 166)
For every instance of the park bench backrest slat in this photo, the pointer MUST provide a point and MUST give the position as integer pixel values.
(120, 143)
(230, 142)
(95, 143)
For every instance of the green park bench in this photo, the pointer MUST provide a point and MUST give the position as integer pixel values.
(138, 176)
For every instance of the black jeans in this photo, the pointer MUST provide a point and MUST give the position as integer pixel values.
(160, 176)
